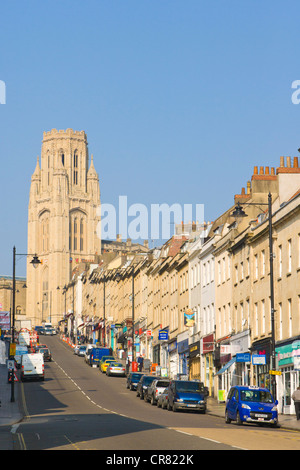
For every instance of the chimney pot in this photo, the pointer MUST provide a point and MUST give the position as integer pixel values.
(288, 162)
(267, 171)
(295, 163)
(282, 162)
(255, 171)
(261, 170)
(272, 171)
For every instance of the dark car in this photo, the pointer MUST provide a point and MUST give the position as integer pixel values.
(155, 389)
(46, 353)
(133, 379)
(187, 395)
(143, 384)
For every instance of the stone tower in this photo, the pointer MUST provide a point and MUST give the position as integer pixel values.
(63, 220)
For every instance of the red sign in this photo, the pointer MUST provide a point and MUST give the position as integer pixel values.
(208, 343)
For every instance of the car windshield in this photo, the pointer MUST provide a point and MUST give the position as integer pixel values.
(261, 396)
(42, 350)
(189, 387)
(162, 383)
(148, 380)
(136, 376)
(116, 365)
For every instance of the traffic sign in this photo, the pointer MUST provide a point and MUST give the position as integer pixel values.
(275, 372)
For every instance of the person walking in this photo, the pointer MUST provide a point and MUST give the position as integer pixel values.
(296, 398)
(140, 362)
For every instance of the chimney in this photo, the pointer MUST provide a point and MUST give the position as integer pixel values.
(295, 162)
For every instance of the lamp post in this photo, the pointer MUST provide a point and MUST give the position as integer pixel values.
(35, 262)
(238, 213)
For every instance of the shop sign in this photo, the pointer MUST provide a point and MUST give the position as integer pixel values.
(243, 357)
(173, 346)
(289, 354)
(259, 359)
(207, 344)
(189, 318)
(163, 335)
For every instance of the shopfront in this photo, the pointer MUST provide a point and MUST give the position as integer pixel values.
(183, 353)
(173, 358)
(288, 357)
(260, 369)
(194, 361)
(207, 347)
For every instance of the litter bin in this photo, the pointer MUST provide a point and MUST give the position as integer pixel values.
(134, 366)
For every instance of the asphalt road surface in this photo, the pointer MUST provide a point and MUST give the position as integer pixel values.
(79, 408)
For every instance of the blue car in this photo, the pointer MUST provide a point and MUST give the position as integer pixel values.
(187, 395)
(247, 404)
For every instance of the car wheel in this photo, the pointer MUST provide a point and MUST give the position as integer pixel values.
(227, 419)
(239, 422)
(152, 401)
(169, 407)
(145, 398)
(174, 408)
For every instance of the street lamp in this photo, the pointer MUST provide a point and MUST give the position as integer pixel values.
(35, 262)
(239, 213)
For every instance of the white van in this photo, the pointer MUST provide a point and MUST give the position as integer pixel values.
(20, 350)
(32, 366)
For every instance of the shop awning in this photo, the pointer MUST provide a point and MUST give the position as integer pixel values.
(229, 364)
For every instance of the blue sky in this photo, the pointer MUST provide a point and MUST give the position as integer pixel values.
(179, 99)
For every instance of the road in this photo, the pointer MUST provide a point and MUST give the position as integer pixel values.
(79, 408)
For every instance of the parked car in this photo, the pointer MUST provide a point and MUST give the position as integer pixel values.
(143, 384)
(155, 389)
(116, 368)
(46, 353)
(187, 395)
(48, 331)
(162, 400)
(76, 349)
(247, 404)
(104, 358)
(81, 350)
(103, 365)
(133, 379)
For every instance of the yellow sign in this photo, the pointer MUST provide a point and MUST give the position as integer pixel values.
(274, 372)
(12, 349)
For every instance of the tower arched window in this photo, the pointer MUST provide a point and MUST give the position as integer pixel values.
(62, 157)
(75, 234)
(75, 168)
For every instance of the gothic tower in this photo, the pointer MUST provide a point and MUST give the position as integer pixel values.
(63, 221)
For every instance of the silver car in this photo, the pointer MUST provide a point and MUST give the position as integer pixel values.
(116, 368)
(162, 401)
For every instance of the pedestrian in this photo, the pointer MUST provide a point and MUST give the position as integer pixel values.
(127, 365)
(296, 398)
(140, 362)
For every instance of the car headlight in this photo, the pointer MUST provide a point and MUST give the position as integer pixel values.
(178, 399)
(201, 402)
(246, 406)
